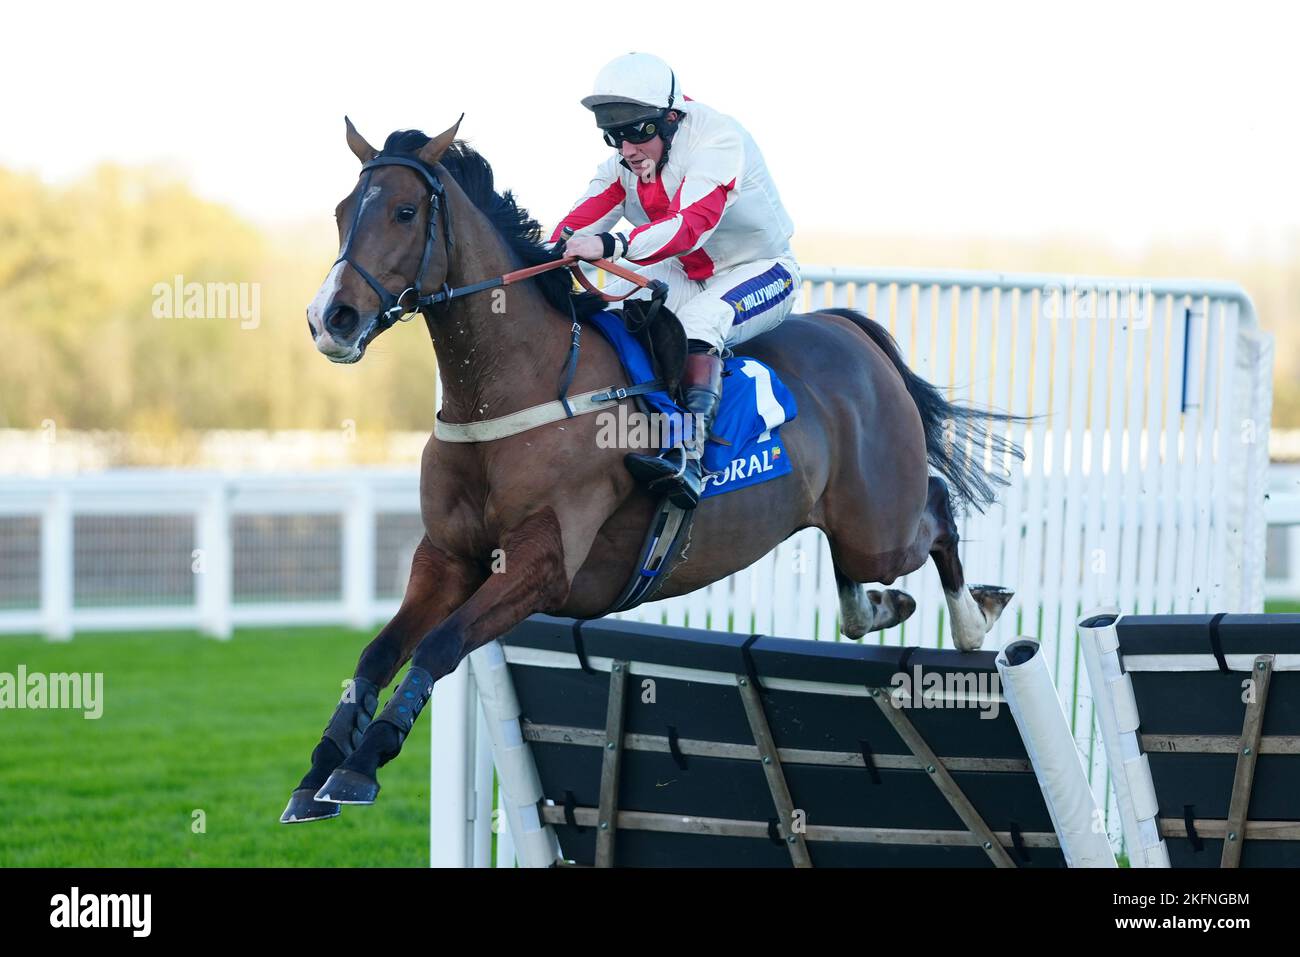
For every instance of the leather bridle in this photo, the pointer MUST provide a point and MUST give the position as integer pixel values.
(393, 308)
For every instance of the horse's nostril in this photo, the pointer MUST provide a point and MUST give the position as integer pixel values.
(341, 321)
(311, 330)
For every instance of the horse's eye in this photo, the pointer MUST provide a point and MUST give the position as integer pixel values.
(405, 214)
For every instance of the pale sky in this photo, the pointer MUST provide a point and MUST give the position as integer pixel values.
(1122, 121)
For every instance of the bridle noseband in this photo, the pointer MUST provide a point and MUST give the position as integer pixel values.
(394, 308)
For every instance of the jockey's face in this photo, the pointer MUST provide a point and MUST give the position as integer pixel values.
(643, 157)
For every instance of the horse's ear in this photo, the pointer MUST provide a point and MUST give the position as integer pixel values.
(357, 143)
(433, 150)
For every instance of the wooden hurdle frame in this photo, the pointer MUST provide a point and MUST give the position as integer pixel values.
(534, 816)
(1205, 645)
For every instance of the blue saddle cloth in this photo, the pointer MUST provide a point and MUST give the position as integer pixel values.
(745, 447)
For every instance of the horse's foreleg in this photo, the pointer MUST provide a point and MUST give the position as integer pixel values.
(863, 610)
(532, 578)
(436, 586)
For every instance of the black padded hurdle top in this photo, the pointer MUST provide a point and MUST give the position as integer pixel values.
(1188, 674)
(822, 737)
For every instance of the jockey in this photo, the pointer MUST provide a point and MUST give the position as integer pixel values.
(706, 220)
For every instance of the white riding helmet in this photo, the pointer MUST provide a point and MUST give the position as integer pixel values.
(631, 88)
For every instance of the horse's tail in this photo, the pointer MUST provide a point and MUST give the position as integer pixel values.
(949, 427)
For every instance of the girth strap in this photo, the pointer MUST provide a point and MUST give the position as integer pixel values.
(537, 415)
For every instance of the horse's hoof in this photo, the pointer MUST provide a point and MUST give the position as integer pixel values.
(892, 607)
(348, 787)
(904, 604)
(992, 599)
(303, 807)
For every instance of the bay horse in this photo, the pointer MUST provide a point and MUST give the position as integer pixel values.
(548, 520)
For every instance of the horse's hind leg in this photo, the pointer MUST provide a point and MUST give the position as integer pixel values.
(433, 591)
(868, 609)
(973, 610)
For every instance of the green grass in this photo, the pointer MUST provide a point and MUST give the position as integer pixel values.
(194, 724)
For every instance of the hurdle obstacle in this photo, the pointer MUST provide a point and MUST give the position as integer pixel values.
(626, 744)
(1200, 715)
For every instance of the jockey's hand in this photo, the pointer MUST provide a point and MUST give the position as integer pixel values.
(585, 247)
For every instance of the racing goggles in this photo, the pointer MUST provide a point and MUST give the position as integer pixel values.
(634, 133)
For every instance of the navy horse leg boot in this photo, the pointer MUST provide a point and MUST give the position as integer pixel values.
(679, 472)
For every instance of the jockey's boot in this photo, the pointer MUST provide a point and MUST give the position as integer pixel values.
(679, 471)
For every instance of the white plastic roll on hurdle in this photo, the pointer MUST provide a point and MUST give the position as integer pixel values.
(467, 741)
(1117, 714)
(520, 787)
(1076, 816)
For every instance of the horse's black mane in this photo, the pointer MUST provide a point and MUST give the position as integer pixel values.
(521, 232)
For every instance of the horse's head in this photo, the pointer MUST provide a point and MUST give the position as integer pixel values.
(394, 244)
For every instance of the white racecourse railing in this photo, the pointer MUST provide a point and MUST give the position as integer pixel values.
(137, 548)
(1143, 487)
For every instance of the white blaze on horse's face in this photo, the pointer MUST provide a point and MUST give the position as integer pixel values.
(320, 306)
(324, 296)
